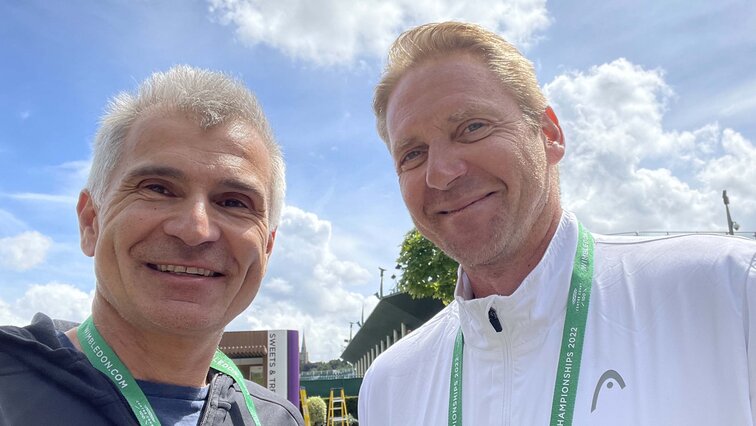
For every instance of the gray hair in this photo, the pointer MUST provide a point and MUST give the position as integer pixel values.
(214, 97)
(430, 41)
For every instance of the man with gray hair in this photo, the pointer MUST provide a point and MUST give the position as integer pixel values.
(180, 214)
(551, 324)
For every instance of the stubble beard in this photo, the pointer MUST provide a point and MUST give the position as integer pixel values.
(497, 242)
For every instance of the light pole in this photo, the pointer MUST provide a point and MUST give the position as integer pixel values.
(731, 225)
(382, 271)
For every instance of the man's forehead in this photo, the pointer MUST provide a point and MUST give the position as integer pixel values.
(161, 143)
(457, 106)
(453, 72)
(149, 124)
(190, 118)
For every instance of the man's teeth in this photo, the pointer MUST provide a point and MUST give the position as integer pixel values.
(185, 270)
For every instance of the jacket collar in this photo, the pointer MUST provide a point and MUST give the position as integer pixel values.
(527, 315)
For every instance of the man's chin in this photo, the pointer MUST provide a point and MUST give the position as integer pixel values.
(471, 250)
(469, 258)
(192, 321)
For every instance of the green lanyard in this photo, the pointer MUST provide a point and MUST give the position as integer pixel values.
(102, 357)
(568, 371)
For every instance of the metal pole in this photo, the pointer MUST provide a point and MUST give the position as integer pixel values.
(382, 271)
(726, 200)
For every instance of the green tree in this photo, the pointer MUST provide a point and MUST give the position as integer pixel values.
(426, 270)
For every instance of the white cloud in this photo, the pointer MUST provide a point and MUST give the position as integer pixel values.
(69, 177)
(340, 31)
(10, 224)
(729, 101)
(624, 172)
(56, 300)
(74, 173)
(735, 169)
(8, 315)
(24, 251)
(49, 198)
(308, 288)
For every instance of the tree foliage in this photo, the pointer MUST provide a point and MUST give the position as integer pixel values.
(426, 270)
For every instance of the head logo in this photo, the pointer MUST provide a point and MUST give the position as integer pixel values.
(608, 374)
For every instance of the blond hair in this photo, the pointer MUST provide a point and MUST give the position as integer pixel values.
(431, 41)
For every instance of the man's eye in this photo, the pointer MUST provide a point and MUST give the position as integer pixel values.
(411, 155)
(160, 189)
(474, 126)
(233, 202)
(474, 130)
(412, 159)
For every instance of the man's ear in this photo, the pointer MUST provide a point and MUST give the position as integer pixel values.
(554, 143)
(271, 240)
(88, 227)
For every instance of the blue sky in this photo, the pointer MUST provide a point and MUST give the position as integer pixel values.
(657, 100)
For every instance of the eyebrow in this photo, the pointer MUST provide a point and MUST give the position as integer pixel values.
(467, 112)
(162, 171)
(402, 145)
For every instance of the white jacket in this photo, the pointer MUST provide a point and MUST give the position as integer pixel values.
(669, 340)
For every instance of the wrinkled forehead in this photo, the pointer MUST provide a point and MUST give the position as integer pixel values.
(170, 136)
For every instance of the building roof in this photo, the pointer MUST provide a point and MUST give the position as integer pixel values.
(388, 315)
(244, 344)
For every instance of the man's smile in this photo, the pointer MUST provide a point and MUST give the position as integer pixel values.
(459, 206)
(184, 270)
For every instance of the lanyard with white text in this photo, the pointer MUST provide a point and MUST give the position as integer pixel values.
(568, 371)
(102, 357)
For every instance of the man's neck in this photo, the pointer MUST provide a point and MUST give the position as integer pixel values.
(154, 356)
(504, 276)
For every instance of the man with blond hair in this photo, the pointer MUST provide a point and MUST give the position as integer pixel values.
(180, 214)
(550, 324)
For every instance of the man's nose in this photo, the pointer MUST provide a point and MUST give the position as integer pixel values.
(193, 223)
(444, 166)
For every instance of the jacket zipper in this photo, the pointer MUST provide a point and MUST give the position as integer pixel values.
(494, 320)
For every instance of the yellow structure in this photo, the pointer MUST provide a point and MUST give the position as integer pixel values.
(303, 402)
(337, 411)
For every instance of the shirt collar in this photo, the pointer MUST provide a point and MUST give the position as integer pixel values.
(537, 302)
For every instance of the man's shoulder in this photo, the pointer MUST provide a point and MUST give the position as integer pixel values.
(267, 396)
(43, 382)
(683, 248)
(40, 333)
(676, 239)
(36, 351)
(273, 408)
(698, 266)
